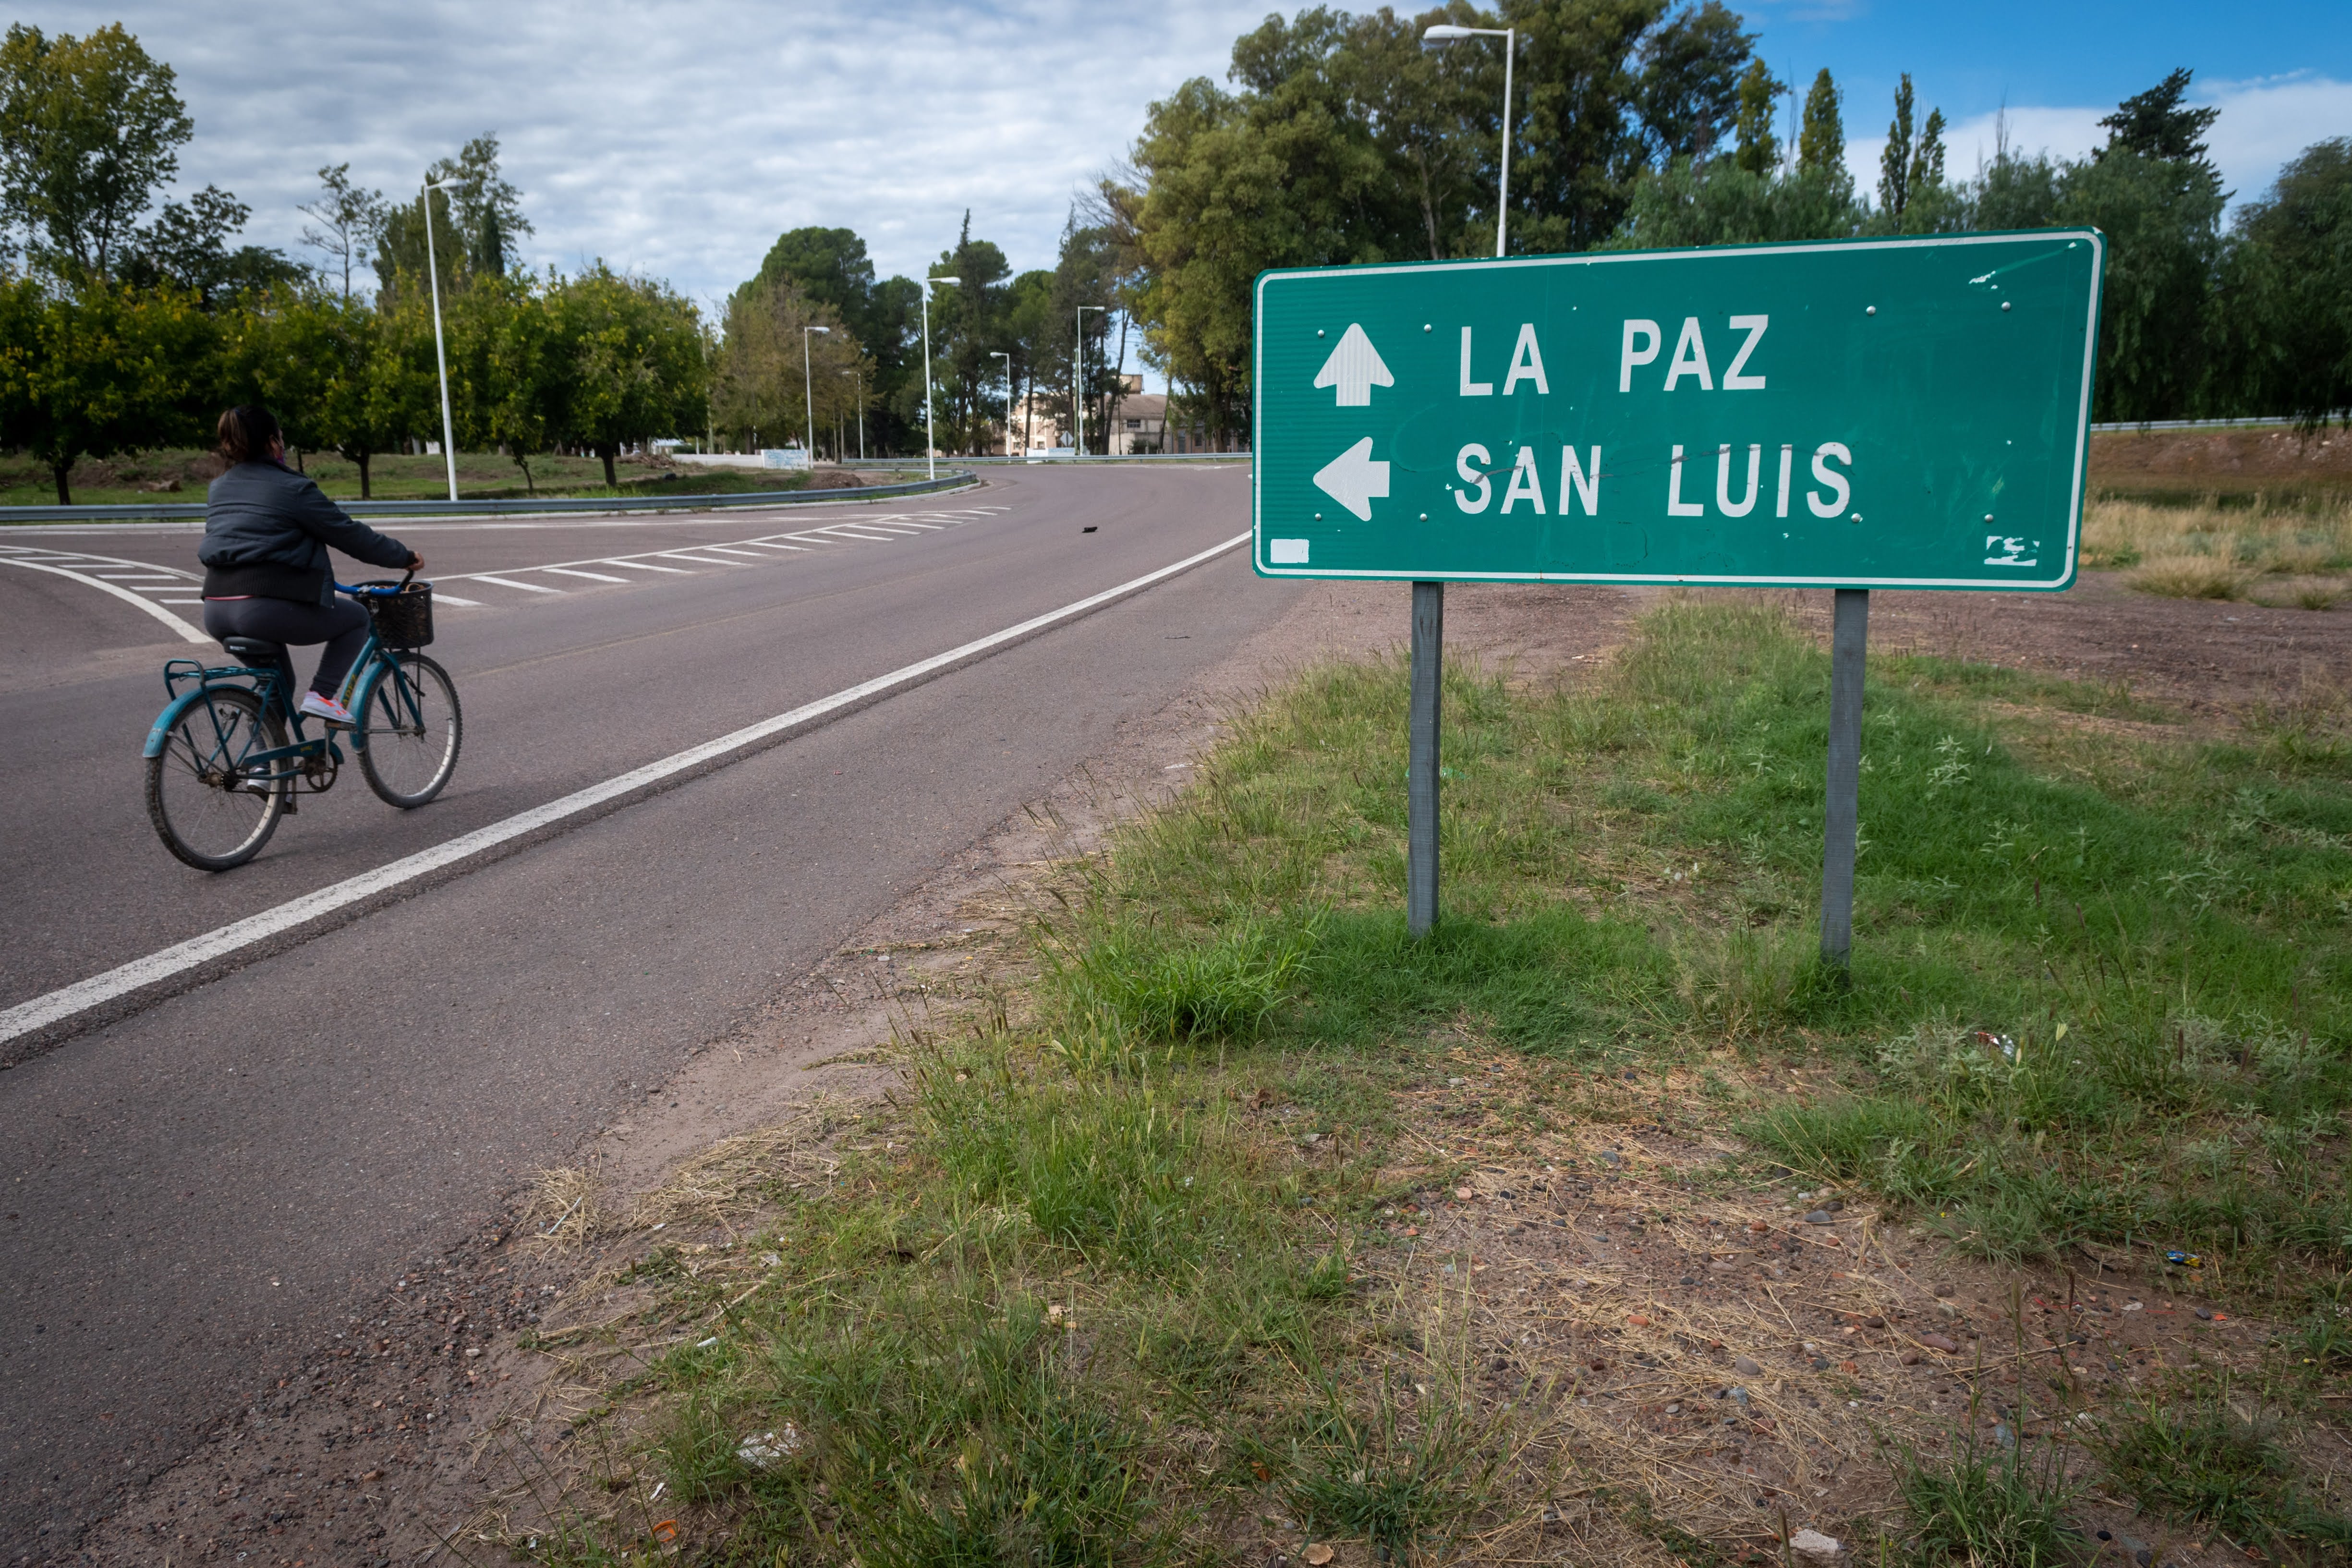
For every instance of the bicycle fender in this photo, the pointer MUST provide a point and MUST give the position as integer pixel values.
(361, 697)
(161, 734)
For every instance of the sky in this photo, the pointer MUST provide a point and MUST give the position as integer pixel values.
(677, 141)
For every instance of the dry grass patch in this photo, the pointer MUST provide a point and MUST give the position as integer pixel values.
(2297, 553)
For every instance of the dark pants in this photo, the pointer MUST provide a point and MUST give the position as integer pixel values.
(341, 625)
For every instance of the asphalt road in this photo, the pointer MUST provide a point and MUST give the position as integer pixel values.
(202, 1189)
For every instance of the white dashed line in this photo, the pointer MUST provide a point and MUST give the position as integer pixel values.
(592, 576)
(509, 582)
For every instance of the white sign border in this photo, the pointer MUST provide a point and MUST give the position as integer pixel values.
(2064, 580)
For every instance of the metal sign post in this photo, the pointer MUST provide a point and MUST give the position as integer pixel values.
(1845, 414)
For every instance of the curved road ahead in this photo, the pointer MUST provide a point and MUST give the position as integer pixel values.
(215, 1178)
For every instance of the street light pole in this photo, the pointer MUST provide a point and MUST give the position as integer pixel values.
(1445, 35)
(999, 353)
(1078, 374)
(930, 446)
(808, 391)
(858, 381)
(440, 355)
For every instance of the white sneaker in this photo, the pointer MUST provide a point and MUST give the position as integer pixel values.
(319, 705)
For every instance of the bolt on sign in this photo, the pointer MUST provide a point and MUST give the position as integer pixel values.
(1858, 414)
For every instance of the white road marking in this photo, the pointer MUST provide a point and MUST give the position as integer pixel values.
(509, 582)
(575, 572)
(649, 566)
(726, 549)
(186, 631)
(698, 559)
(98, 989)
(441, 598)
(765, 545)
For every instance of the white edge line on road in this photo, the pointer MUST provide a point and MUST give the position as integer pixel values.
(190, 633)
(98, 989)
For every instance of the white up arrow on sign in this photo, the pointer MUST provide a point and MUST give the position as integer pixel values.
(1353, 479)
(1354, 368)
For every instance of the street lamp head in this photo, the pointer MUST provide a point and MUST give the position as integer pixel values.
(930, 280)
(1443, 35)
(825, 331)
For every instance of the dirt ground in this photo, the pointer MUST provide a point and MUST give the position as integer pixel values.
(2229, 460)
(1670, 1315)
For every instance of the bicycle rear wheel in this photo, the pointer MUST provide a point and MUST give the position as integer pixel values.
(412, 728)
(201, 793)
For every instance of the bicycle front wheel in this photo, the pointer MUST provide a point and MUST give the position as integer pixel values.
(203, 795)
(412, 727)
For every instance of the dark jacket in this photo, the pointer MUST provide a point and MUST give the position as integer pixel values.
(266, 529)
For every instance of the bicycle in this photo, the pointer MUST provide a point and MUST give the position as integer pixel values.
(221, 771)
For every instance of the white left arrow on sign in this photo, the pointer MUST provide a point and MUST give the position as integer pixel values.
(1354, 480)
(1355, 367)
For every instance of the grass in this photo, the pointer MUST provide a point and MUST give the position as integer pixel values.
(1116, 1279)
(2272, 549)
(2200, 1459)
(1987, 1505)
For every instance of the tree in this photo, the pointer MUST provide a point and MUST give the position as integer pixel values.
(1913, 198)
(1820, 140)
(1031, 323)
(90, 128)
(186, 248)
(1723, 203)
(759, 383)
(1894, 160)
(829, 266)
(380, 384)
(400, 261)
(2162, 219)
(1693, 87)
(2288, 290)
(104, 369)
(1589, 124)
(488, 210)
(631, 361)
(349, 218)
(966, 325)
(476, 215)
(1758, 150)
(2153, 124)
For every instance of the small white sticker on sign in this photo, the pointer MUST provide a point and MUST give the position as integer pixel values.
(1286, 552)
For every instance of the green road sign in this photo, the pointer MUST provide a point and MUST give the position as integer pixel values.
(1867, 414)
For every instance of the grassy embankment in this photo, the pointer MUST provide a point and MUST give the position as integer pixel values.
(148, 477)
(1129, 1272)
(2260, 515)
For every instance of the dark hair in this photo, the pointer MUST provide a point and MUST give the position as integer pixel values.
(246, 432)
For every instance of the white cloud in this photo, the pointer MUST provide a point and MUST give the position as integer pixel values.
(2263, 123)
(680, 140)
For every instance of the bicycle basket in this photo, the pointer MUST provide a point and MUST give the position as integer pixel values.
(404, 620)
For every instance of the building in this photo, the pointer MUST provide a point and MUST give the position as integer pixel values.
(1137, 424)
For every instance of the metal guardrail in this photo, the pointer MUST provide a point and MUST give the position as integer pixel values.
(526, 507)
(2263, 423)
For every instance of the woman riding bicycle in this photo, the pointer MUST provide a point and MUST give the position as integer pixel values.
(267, 574)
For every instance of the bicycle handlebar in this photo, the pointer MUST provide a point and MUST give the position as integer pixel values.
(367, 591)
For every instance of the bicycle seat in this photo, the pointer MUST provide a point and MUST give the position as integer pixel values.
(252, 651)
